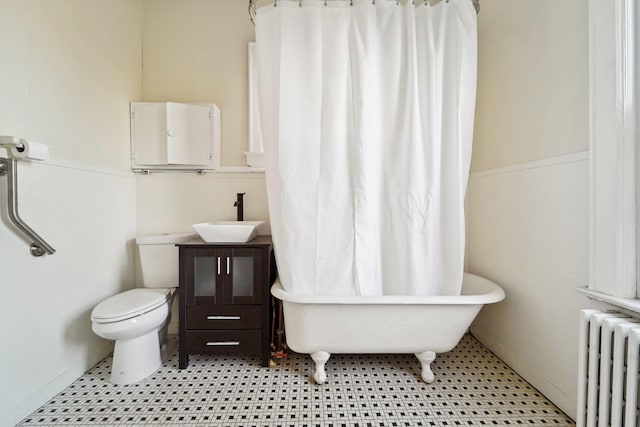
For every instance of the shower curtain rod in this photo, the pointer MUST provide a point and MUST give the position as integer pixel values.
(252, 4)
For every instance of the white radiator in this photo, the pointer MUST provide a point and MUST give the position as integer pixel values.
(608, 370)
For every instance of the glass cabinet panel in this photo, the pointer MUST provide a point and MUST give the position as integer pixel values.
(243, 282)
(205, 268)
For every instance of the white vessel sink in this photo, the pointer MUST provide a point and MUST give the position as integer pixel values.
(227, 231)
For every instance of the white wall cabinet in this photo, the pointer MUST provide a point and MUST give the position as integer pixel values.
(170, 135)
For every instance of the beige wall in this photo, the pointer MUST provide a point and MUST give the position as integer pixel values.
(94, 66)
(69, 69)
(527, 216)
(189, 198)
(532, 81)
(196, 51)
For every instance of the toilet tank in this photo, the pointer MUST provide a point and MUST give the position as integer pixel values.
(158, 259)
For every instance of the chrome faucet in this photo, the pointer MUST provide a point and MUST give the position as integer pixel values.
(239, 203)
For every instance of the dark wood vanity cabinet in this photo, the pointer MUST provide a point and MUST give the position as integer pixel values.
(225, 299)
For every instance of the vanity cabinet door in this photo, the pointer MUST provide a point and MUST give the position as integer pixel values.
(244, 279)
(205, 276)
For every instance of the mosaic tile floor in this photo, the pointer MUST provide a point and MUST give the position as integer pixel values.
(472, 388)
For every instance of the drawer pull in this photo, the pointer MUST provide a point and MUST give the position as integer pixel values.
(223, 317)
(214, 343)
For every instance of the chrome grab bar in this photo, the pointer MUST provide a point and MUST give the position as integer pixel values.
(39, 246)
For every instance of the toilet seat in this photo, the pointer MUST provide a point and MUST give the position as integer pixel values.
(129, 304)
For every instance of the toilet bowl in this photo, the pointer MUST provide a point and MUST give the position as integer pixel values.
(137, 319)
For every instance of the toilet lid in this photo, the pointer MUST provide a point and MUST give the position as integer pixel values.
(129, 304)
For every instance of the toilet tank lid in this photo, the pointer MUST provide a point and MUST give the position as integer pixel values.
(163, 239)
(129, 304)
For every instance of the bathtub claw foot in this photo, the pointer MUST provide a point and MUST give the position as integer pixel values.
(425, 359)
(320, 358)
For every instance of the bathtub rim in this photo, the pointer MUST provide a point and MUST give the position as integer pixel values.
(476, 290)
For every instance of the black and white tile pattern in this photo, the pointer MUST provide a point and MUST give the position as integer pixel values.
(472, 388)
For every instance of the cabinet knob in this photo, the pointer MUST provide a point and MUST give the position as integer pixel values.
(170, 133)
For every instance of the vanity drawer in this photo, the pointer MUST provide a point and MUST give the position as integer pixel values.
(224, 342)
(223, 317)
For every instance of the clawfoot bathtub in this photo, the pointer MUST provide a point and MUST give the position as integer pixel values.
(425, 325)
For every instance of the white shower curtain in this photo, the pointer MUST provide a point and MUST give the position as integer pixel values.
(366, 114)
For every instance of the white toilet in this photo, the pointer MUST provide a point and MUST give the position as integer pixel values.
(137, 319)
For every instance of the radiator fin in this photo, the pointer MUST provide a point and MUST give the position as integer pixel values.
(608, 369)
